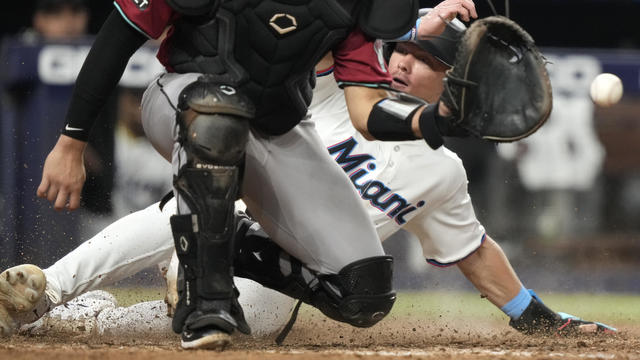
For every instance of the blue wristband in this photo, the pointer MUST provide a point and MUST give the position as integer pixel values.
(516, 306)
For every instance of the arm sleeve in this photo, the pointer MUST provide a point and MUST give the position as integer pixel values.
(358, 61)
(100, 73)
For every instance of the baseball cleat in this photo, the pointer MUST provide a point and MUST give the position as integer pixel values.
(77, 317)
(21, 289)
(205, 339)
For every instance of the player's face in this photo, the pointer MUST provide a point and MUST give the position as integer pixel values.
(63, 24)
(416, 72)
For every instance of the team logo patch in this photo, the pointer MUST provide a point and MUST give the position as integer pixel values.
(283, 23)
(141, 4)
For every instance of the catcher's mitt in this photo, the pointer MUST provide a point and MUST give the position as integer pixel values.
(498, 88)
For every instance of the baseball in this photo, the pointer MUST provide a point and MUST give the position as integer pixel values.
(606, 90)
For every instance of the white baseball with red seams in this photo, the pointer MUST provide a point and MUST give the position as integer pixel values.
(606, 90)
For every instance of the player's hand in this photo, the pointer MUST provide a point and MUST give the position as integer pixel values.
(63, 174)
(434, 22)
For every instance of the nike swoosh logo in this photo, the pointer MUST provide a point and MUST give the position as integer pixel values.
(69, 128)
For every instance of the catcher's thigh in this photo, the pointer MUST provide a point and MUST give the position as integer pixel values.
(305, 202)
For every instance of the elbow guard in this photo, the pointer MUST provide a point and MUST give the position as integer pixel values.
(390, 118)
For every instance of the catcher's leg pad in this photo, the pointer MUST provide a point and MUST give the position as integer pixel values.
(214, 129)
(207, 295)
(360, 294)
(203, 242)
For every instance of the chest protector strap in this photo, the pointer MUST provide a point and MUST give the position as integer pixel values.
(194, 7)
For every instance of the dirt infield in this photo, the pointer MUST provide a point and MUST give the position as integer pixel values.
(314, 337)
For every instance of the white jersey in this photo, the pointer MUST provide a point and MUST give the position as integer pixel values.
(404, 184)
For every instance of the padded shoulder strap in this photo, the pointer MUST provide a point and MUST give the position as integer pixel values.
(387, 19)
(194, 7)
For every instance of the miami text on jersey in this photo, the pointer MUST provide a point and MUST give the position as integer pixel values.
(358, 166)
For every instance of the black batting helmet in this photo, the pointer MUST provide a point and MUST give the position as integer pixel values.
(443, 47)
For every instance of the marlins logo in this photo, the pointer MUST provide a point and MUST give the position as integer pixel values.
(141, 4)
(380, 196)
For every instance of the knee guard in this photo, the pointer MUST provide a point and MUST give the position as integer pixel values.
(360, 294)
(213, 130)
(213, 120)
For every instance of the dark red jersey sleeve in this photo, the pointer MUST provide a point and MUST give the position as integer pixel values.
(358, 62)
(150, 17)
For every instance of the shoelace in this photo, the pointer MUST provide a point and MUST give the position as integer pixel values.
(294, 316)
(287, 328)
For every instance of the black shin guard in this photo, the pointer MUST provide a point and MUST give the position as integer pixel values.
(203, 242)
(360, 294)
(213, 132)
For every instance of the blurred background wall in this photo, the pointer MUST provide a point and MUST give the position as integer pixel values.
(565, 201)
(41, 56)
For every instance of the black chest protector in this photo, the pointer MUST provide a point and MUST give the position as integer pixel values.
(268, 49)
